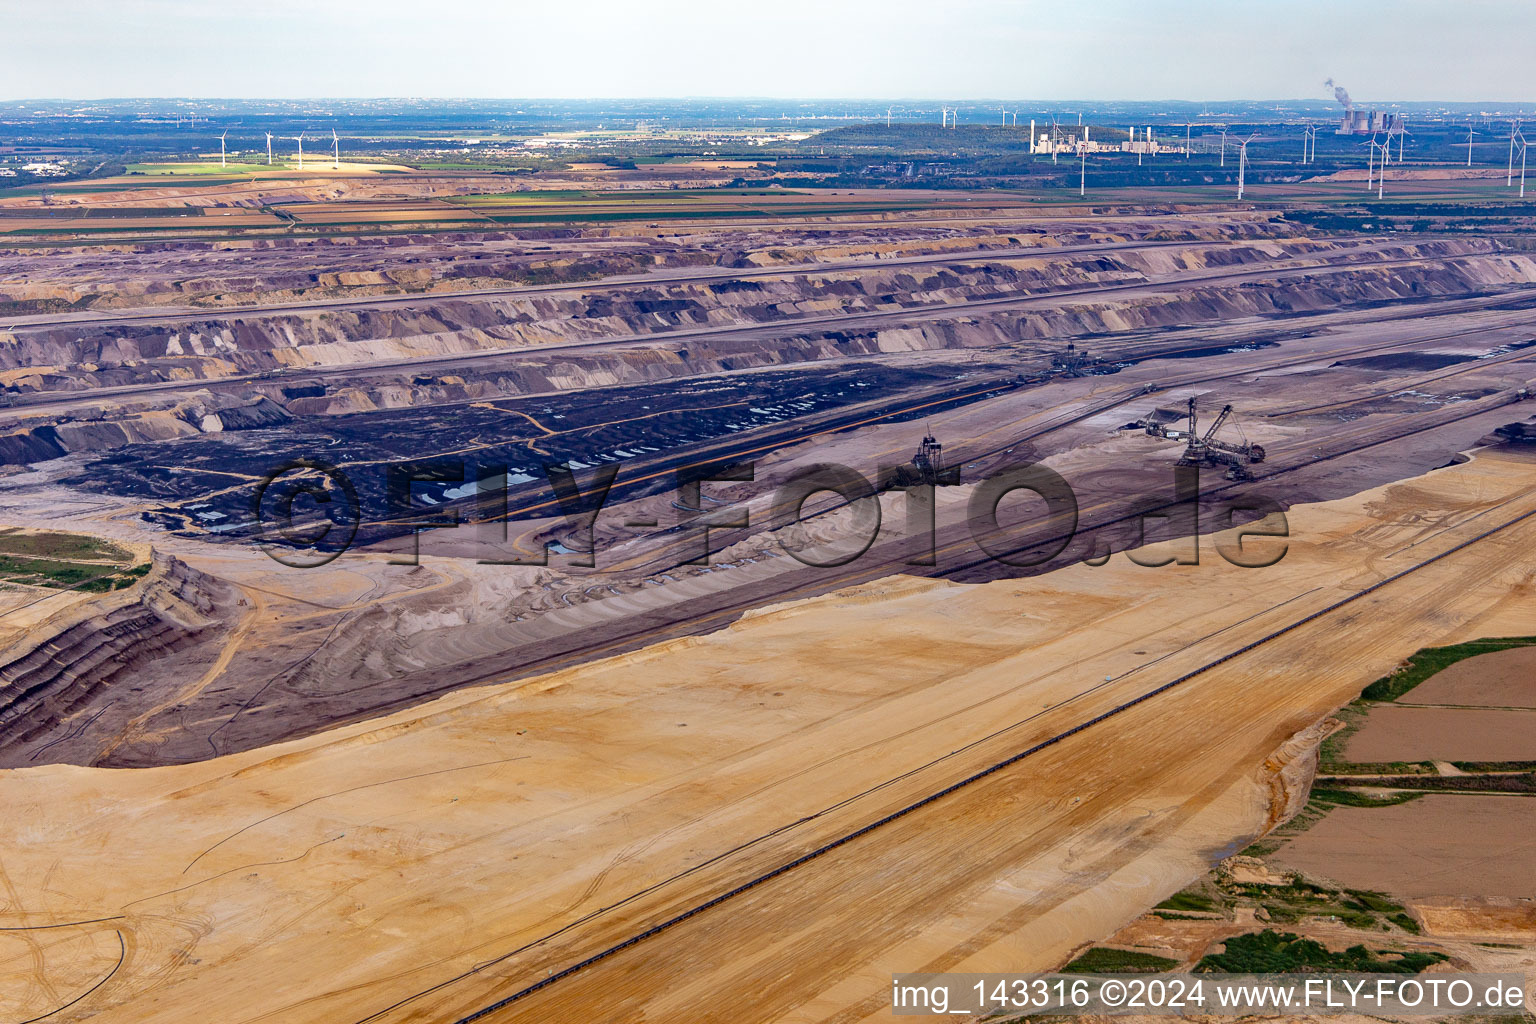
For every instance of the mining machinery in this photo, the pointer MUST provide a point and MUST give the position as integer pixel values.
(927, 467)
(1075, 362)
(1207, 450)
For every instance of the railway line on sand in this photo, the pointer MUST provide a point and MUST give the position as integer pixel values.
(853, 835)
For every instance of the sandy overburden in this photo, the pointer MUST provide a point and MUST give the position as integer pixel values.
(328, 879)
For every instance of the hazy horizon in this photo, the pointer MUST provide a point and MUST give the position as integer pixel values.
(1111, 50)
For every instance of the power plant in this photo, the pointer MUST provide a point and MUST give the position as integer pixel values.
(1362, 122)
(1369, 122)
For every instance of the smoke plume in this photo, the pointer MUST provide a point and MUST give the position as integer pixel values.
(1341, 94)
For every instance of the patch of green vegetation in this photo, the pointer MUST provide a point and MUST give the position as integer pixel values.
(39, 572)
(52, 544)
(24, 307)
(1405, 922)
(1428, 661)
(1187, 901)
(1488, 782)
(198, 168)
(1495, 766)
(1376, 901)
(1352, 798)
(1380, 768)
(1298, 898)
(1271, 952)
(1102, 960)
(66, 560)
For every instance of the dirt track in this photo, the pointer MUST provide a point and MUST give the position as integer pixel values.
(392, 857)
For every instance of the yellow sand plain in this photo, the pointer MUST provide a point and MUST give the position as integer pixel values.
(392, 870)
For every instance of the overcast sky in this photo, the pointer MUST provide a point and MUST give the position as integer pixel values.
(1384, 50)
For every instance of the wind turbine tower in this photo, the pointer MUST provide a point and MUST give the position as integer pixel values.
(299, 138)
(1242, 164)
(335, 151)
(1509, 179)
(1523, 148)
(1470, 133)
(222, 162)
(269, 149)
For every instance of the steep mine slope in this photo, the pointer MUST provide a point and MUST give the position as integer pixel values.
(95, 653)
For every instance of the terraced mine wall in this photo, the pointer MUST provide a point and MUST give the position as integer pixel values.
(79, 357)
(63, 663)
(229, 272)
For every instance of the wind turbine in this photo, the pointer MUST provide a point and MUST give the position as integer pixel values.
(1082, 174)
(221, 148)
(1470, 133)
(299, 138)
(1186, 141)
(1402, 135)
(1523, 148)
(1509, 179)
(1242, 163)
(269, 149)
(1380, 176)
(335, 151)
(887, 117)
(1223, 145)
